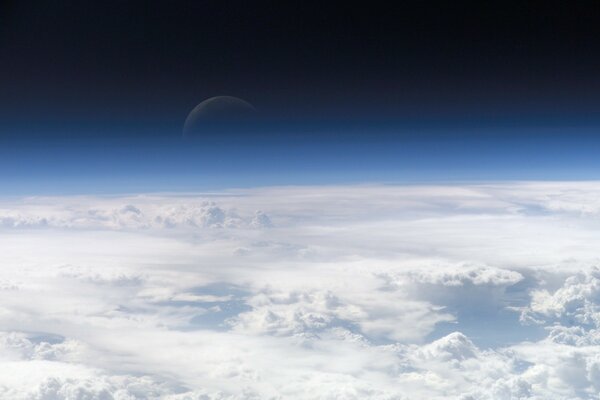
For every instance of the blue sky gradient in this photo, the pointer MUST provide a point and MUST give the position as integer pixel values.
(128, 163)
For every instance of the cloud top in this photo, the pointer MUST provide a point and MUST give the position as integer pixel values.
(463, 292)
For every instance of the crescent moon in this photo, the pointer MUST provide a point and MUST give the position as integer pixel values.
(219, 112)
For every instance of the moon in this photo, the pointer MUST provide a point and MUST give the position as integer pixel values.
(219, 114)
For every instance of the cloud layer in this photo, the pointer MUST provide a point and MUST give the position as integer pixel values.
(356, 292)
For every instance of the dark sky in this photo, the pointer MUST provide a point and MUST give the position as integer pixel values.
(132, 64)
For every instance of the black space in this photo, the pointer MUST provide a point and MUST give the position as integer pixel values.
(147, 63)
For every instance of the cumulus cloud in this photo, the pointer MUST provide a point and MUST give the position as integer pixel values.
(576, 302)
(144, 214)
(378, 315)
(357, 292)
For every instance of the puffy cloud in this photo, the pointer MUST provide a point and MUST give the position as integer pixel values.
(261, 220)
(51, 213)
(577, 302)
(455, 347)
(379, 316)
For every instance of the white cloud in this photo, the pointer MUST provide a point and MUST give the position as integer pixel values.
(126, 214)
(358, 292)
(577, 302)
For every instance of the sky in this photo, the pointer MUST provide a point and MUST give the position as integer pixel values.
(344, 93)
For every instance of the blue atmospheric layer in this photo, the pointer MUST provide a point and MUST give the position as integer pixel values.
(119, 161)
